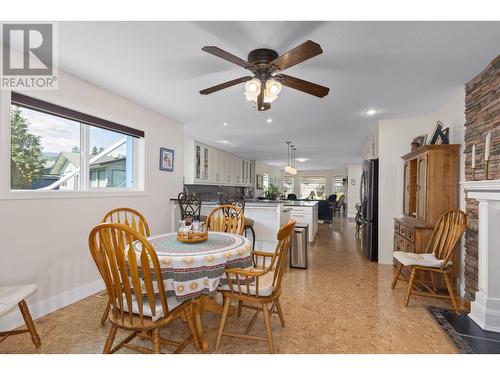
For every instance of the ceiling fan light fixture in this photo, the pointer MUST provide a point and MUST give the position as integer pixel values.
(268, 97)
(252, 88)
(273, 86)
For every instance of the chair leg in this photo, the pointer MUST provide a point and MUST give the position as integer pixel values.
(223, 319)
(110, 339)
(29, 323)
(253, 238)
(188, 313)
(156, 341)
(280, 312)
(105, 315)
(410, 285)
(433, 282)
(267, 321)
(240, 307)
(396, 276)
(454, 301)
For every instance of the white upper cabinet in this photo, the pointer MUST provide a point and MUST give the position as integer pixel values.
(207, 165)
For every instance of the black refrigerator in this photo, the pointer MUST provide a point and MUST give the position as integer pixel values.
(369, 209)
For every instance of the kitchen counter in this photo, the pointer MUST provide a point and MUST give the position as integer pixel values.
(268, 217)
(263, 202)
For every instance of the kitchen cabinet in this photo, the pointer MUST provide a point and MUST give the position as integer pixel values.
(207, 165)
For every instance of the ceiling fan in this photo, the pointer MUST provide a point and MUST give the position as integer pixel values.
(266, 65)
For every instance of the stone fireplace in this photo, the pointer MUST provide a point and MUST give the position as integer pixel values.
(485, 309)
(482, 115)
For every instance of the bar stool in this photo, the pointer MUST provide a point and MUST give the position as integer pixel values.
(190, 204)
(239, 201)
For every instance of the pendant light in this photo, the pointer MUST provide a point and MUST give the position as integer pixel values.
(294, 170)
(289, 168)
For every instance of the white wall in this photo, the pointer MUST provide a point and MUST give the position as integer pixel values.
(44, 241)
(353, 175)
(394, 138)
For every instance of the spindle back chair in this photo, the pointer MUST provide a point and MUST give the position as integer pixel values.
(259, 287)
(131, 272)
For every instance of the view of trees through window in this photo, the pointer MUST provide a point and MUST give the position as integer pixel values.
(313, 187)
(46, 152)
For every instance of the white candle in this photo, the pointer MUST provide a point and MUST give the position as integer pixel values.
(487, 147)
(473, 156)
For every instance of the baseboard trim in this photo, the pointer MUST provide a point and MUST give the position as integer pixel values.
(14, 319)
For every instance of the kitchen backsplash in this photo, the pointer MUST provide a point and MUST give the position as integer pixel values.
(211, 191)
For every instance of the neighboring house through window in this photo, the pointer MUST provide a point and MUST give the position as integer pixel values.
(48, 149)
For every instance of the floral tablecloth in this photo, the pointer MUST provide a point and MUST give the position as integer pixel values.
(189, 270)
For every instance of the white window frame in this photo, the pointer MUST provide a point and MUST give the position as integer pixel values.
(307, 177)
(289, 178)
(6, 193)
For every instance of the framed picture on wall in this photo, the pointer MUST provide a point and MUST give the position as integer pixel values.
(166, 159)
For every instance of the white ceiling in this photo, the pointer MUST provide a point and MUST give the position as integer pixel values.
(404, 68)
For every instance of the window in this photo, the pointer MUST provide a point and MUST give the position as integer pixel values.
(339, 183)
(53, 148)
(265, 180)
(287, 185)
(313, 187)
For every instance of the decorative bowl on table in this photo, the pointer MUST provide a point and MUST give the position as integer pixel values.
(192, 237)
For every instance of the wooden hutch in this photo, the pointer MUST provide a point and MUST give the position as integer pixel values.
(431, 176)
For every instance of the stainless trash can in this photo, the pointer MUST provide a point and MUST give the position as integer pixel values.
(300, 244)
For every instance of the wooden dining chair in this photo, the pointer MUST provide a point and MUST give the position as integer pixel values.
(129, 217)
(134, 283)
(239, 201)
(132, 218)
(226, 218)
(437, 259)
(258, 288)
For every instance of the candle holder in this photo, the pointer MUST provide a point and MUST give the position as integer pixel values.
(474, 174)
(486, 170)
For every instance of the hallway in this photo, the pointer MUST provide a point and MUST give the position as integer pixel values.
(342, 304)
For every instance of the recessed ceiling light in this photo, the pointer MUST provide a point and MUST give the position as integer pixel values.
(225, 141)
(225, 124)
(269, 120)
(302, 160)
(371, 111)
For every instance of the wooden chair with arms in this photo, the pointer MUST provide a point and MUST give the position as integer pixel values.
(132, 218)
(259, 286)
(226, 218)
(437, 259)
(135, 288)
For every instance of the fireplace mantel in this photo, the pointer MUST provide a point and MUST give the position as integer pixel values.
(485, 309)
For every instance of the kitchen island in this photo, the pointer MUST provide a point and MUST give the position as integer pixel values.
(268, 217)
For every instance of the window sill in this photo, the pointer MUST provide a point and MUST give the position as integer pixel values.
(15, 195)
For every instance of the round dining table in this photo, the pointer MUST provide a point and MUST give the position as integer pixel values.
(191, 270)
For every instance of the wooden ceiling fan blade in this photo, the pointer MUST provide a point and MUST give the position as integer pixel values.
(301, 85)
(216, 51)
(301, 53)
(225, 85)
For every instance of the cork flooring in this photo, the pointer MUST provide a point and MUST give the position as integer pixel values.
(341, 304)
